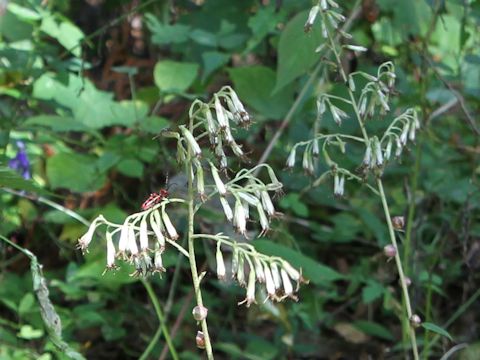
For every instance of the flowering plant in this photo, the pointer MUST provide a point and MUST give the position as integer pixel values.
(144, 236)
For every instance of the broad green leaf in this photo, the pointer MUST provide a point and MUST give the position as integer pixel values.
(75, 172)
(255, 84)
(90, 106)
(56, 123)
(164, 34)
(262, 23)
(374, 329)
(212, 60)
(70, 36)
(314, 271)
(154, 124)
(172, 76)
(296, 50)
(436, 329)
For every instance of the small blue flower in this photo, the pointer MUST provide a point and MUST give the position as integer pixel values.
(20, 162)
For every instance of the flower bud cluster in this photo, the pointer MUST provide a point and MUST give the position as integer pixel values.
(250, 268)
(245, 192)
(328, 9)
(376, 92)
(134, 239)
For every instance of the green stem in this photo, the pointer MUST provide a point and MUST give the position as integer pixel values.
(398, 262)
(162, 327)
(191, 249)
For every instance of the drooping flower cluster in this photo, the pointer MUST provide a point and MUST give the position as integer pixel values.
(249, 268)
(245, 191)
(215, 120)
(132, 240)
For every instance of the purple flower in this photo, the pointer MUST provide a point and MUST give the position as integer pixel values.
(20, 162)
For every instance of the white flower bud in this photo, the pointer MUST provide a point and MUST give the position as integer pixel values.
(110, 251)
(412, 130)
(252, 200)
(311, 18)
(294, 274)
(367, 158)
(307, 163)
(270, 285)
(267, 203)
(399, 147)
(363, 105)
(378, 152)
(122, 243)
(383, 101)
(221, 118)
(276, 275)
(156, 225)
(191, 141)
(86, 239)
(222, 190)
(158, 262)
(259, 270)
(241, 270)
(250, 298)
(170, 229)
(132, 242)
(221, 272)
(356, 48)
(323, 4)
(211, 126)
(226, 208)
(351, 83)
(143, 234)
(404, 134)
(264, 223)
(388, 150)
(315, 148)
(287, 285)
(291, 158)
(240, 220)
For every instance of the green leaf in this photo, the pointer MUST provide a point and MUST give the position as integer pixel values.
(312, 270)
(70, 36)
(55, 123)
(436, 329)
(28, 332)
(255, 84)
(172, 76)
(296, 50)
(164, 34)
(293, 201)
(212, 60)
(154, 124)
(22, 12)
(10, 179)
(26, 304)
(75, 172)
(131, 167)
(262, 23)
(374, 329)
(372, 291)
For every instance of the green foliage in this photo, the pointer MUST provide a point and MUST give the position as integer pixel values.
(89, 102)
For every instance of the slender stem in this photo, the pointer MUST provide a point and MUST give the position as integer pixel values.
(191, 249)
(356, 11)
(398, 262)
(162, 327)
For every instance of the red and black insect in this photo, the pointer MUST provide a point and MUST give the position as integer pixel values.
(154, 199)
